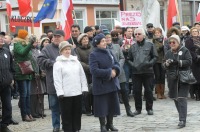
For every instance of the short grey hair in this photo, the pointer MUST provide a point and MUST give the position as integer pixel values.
(140, 29)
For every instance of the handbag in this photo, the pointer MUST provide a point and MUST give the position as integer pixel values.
(187, 77)
(26, 67)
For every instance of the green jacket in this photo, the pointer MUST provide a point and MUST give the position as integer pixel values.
(22, 52)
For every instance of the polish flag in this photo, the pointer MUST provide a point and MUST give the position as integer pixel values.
(24, 7)
(66, 17)
(198, 15)
(9, 8)
(172, 13)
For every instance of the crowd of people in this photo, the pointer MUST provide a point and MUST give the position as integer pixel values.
(93, 72)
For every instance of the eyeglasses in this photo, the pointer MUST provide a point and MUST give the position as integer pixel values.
(150, 27)
(172, 42)
(137, 34)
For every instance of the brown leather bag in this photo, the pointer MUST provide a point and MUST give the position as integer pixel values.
(26, 67)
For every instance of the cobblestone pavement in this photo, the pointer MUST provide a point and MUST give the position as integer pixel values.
(165, 119)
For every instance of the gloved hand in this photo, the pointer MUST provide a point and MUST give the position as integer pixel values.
(174, 62)
(168, 62)
(32, 39)
(61, 96)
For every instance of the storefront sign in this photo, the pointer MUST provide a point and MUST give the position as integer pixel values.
(131, 18)
(17, 20)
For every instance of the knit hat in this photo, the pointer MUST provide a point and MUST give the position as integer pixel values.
(149, 25)
(87, 29)
(43, 39)
(22, 33)
(185, 28)
(175, 37)
(63, 45)
(80, 37)
(97, 39)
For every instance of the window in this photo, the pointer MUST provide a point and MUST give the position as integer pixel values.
(187, 13)
(78, 19)
(106, 18)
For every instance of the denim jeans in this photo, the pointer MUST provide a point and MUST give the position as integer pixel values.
(128, 73)
(55, 110)
(24, 91)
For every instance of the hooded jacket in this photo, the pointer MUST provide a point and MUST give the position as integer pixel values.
(69, 77)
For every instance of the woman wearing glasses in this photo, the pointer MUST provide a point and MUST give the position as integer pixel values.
(178, 58)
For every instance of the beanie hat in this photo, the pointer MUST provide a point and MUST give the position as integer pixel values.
(97, 39)
(185, 28)
(87, 29)
(63, 45)
(80, 37)
(43, 39)
(175, 37)
(22, 33)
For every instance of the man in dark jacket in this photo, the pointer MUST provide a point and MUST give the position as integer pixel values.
(142, 56)
(75, 32)
(6, 80)
(46, 61)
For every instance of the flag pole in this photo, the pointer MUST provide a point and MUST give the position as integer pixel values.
(75, 16)
(32, 27)
(8, 24)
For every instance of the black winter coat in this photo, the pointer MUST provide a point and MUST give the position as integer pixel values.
(6, 67)
(176, 88)
(195, 59)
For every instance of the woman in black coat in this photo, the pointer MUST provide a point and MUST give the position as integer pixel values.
(177, 59)
(83, 51)
(193, 44)
(105, 70)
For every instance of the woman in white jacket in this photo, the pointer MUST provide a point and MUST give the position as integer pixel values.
(70, 82)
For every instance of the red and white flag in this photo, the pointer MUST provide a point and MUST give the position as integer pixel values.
(172, 13)
(24, 7)
(198, 15)
(66, 17)
(8, 7)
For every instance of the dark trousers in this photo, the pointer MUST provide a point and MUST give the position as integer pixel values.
(5, 92)
(159, 73)
(88, 100)
(144, 79)
(124, 95)
(181, 106)
(71, 113)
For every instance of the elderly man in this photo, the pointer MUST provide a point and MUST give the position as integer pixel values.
(142, 56)
(46, 60)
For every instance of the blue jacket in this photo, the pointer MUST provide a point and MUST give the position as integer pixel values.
(101, 63)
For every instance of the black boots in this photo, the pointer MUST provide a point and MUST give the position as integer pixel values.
(128, 111)
(181, 124)
(5, 129)
(126, 100)
(109, 124)
(102, 121)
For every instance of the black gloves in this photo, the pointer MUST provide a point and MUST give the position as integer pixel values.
(61, 97)
(171, 62)
(174, 62)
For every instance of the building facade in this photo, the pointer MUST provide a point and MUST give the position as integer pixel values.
(98, 12)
